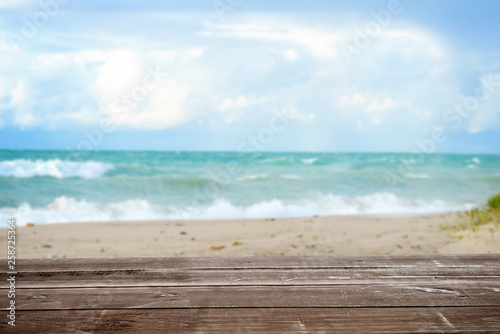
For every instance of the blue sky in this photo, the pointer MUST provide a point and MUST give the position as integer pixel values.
(208, 75)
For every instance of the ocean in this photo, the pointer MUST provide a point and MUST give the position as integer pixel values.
(56, 186)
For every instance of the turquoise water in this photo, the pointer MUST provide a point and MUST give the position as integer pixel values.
(54, 186)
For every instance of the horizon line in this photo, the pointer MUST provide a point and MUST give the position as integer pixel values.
(241, 152)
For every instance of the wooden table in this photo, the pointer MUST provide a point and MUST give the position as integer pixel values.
(372, 294)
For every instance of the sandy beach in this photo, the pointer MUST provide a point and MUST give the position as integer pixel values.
(329, 235)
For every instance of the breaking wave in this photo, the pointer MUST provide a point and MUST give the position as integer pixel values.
(64, 209)
(56, 168)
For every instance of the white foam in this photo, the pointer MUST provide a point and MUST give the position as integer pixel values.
(410, 161)
(309, 161)
(290, 177)
(477, 161)
(64, 209)
(56, 168)
(418, 176)
(253, 177)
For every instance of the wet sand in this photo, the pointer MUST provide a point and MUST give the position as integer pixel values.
(329, 235)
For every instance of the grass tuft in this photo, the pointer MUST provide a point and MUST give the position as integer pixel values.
(470, 220)
(494, 202)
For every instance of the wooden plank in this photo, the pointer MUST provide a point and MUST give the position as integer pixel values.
(284, 262)
(254, 320)
(213, 277)
(407, 295)
(256, 270)
(412, 294)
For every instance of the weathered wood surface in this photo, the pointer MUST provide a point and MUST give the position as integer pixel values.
(376, 294)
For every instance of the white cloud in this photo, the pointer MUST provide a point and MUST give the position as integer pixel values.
(9, 4)
(229, 73)
(368, 104)
(291, 55)
(167, 106)
(135, 95)
(22, 105)
(321, 42)
(112, 75)
(49, 61)
(414, 41)
(84, 57)
(378, 105)
(232, 108)
(196, 52)
(487, 115)
(117, 76)
(351, 100)
(239, 102)
(296, 115)
(403, 76)
(326, 42)
(18, 94)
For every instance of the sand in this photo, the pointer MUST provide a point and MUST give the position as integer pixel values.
(329, 235)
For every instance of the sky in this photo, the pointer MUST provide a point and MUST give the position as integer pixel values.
(284, 75)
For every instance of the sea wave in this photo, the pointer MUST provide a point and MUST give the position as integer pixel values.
(67, 209)
(278, 160)
(253, 177)
(64, 209)
(309, 161)
(418, 176)
(290, 177)
(257, 177)
(23, 168)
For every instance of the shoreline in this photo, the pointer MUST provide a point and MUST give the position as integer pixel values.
(373, 215)
(371, 234)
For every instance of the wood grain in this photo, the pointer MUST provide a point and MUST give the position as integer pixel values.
(50, 278)
(257, 296)
(262, 320)
(375, 294)
(286, 262)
